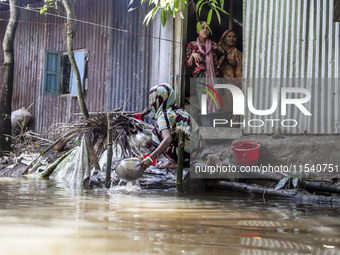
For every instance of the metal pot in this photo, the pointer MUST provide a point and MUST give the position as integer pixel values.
(127, 170)
(144, 140)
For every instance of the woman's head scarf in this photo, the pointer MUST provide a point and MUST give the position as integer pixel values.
(221, 42)
(162, 100)
(170, 116)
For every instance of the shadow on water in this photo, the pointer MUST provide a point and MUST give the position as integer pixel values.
(44, 217)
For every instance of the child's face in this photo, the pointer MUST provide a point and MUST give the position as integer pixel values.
(230, 38)
(204, 32)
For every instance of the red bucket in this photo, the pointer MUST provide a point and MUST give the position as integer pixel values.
(246, 153)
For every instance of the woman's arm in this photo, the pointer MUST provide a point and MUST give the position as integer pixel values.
(232, 62)
(220, 62)
(232, 58)
(167, 139)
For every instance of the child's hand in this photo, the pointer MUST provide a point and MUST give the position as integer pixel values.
(197, 57)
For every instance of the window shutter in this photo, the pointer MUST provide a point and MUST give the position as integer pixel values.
(51, 83)
(80, 60)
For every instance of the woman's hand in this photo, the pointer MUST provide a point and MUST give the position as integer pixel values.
(145, 164)
(167, 139)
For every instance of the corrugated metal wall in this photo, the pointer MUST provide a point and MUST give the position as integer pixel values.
(37, 33)
(130, 58)
(292, 44)
(141, 57)
(119, 65)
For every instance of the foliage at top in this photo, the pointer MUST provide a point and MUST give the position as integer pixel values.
(49, 4)
(173, 6)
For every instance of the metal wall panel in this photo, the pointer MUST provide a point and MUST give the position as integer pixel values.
(141, 57)
(130, 58)
(292, 44)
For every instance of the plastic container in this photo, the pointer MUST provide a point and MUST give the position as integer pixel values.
(246, 153)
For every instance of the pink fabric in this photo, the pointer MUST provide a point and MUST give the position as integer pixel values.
(210, 73)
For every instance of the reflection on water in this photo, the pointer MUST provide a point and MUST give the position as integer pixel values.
(44, 217)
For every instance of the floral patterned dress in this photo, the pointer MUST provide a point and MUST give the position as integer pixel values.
(200, 66)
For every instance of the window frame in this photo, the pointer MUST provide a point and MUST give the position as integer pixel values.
(54, 72)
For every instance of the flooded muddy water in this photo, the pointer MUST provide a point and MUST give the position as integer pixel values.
(45, 217)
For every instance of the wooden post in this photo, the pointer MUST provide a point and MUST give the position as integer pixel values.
(179, 53)
(109, 149)
(180, 160)
(231, 14)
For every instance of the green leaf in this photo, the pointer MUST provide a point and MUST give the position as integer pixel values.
(183, 4)
(198, 4)
(176, 5)
(6, 139)
(218, 16)
(154, 11)
(163, 17)
(222, 3)
(199, 12)
(209, 29)
(209, 16)
(172, 13)
(171, 10)
(198, 26)
(221, 10)
(148, 17)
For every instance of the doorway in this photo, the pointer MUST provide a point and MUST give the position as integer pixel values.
(232, 21)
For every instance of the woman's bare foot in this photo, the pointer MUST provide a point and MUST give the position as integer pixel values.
(160, 163)
(167, 164)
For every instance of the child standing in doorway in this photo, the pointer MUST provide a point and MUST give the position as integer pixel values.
(202, 58)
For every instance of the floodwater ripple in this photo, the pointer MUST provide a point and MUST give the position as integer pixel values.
(44, 217)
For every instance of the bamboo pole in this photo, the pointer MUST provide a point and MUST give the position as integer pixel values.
(109, 149)
(180, 159)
